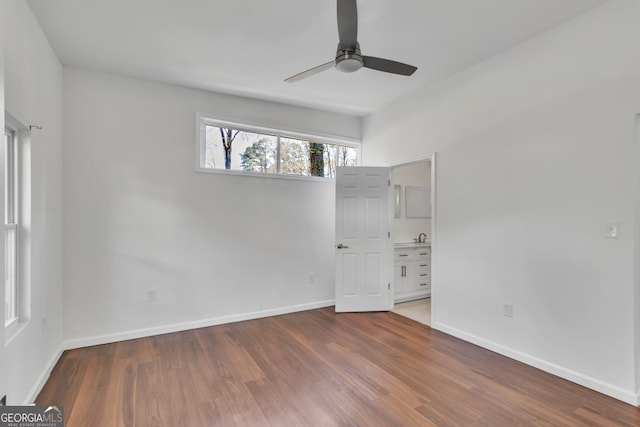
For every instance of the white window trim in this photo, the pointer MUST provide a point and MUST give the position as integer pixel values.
(22, 215)
(11, 214)
(202, 119)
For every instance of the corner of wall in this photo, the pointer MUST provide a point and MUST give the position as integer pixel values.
(29, 62)
(636, 267)
(3, 367)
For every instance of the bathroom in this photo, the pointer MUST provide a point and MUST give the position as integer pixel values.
(412, 240)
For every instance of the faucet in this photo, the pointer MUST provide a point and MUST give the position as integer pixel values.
(422, 238)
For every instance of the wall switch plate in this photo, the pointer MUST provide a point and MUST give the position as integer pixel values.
(152, 295)
(507, 310)
(611, 229)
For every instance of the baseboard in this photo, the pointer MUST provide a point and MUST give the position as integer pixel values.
(44, 376)
(626, 396)
(412, 297)
(165, 329)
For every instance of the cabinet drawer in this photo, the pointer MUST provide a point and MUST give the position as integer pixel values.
(424, 286)
(404, 255)
(423, 254)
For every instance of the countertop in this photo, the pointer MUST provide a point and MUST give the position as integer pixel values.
(400, 245)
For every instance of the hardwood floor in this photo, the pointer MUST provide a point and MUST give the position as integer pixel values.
(316, 368)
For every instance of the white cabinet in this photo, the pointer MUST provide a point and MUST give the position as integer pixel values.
(412, 273)
(423, 262)
(404, 271)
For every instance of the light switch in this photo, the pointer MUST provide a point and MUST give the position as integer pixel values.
(611, 229)
(507, 309)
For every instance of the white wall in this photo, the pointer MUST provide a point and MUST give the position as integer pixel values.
(33, 95)
(535, 151)
(417, 175)
(138, 217)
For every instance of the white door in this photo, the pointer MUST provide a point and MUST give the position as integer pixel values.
(363, 239)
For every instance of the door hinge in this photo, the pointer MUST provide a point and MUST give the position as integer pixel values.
(389, 234)
(389, 286)
(388, 183)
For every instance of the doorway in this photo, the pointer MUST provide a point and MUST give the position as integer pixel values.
(413, 239)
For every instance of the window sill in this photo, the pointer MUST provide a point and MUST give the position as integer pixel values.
(265, 175)
(13, 330)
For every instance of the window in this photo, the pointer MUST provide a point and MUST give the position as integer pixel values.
(10, 227)
(238, 148)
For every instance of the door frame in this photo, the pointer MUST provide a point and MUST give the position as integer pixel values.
(636, 267)
(434, 199)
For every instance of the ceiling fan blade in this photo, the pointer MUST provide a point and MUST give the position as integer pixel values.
(388, 65)
(310, 72)
(347, 24)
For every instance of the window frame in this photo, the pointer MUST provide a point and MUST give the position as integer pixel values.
(203, 120)
(11, 223)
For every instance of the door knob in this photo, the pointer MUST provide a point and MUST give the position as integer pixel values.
(341, 246)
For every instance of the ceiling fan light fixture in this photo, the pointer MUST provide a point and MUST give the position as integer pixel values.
(349, 64)
(349, 61)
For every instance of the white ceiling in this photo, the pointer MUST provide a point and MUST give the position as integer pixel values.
(248, 47)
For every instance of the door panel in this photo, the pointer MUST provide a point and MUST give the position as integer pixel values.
(362, 239)
(349, 218)
(373, 273)
(373, 218)
(350, 274)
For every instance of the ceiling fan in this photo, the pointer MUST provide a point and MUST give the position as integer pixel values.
(348, 56)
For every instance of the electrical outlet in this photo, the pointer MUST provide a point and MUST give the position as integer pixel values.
(152, 295)
(312, 278)
(507, 310)
(611, 229)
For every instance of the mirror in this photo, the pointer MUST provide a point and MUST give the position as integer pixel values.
(417, 202)
(398, 206)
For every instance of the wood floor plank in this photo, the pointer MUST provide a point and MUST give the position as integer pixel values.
(95, 387)
(316, 368)
(276, 403)
(152, 395)
(71, 372)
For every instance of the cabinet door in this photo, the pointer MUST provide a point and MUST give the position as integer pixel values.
(398, 278)
(404, 275)
(411, 277)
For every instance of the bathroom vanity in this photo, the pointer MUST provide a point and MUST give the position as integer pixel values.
(412, 271)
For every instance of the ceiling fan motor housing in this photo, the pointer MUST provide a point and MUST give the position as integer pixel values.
(348, 60)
